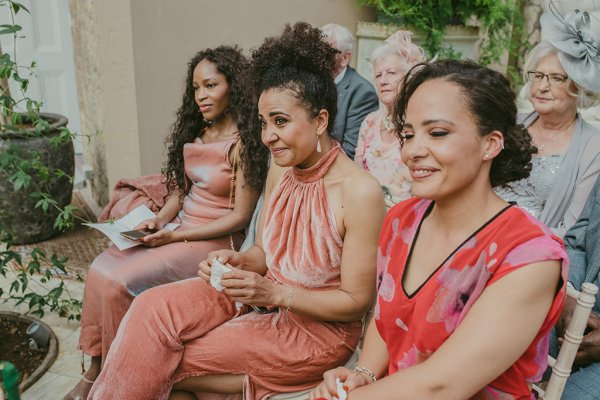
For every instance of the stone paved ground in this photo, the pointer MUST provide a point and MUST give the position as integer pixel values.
(65, 372)
(81, 245)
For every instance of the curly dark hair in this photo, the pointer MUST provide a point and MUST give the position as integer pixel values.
(301, 61)
(189, 123)
(490, 101)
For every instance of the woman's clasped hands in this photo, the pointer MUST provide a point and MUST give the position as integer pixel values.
(243, 286)
(350, 379)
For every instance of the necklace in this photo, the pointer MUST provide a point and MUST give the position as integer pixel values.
(555, 137)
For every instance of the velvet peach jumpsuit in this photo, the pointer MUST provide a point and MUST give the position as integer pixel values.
(189, 329)
(116, 277)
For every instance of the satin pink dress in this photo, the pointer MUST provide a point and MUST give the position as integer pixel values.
(188, 328)
(116, 277)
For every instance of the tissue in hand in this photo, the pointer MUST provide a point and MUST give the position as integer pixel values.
(341, 393)
(216, 271)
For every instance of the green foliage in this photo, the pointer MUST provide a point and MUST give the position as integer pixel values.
(36, 279)
(31, 275)
(519, 47)
(431, 17)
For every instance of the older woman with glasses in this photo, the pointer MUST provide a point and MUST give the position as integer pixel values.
(378, 148)
(561, 77)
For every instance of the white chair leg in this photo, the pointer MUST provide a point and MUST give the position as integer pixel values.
(572, 339)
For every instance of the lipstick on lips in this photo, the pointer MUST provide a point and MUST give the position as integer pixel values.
(276, 150)
(421, 172)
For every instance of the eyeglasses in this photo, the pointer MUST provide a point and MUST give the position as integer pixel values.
(553, 79)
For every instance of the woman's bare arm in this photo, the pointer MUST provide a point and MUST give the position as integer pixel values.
(236, 220)
(495, 333)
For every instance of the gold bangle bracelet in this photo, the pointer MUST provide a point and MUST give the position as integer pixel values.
(289, 299)
(367, 372)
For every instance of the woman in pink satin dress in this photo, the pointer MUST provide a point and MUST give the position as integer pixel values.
(211, 197)
(309, 278)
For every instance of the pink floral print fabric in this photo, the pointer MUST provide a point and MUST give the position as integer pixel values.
(382, 160)
(414, 326)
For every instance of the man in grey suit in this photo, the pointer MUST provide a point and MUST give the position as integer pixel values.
(356, 96)
(583, 247)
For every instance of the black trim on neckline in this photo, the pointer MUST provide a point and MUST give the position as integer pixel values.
(414, 239)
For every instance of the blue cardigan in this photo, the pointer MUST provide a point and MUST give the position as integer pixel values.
(583, 245)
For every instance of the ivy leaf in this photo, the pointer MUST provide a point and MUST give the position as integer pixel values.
(14, 287)
(20, 180)
(33, 267)
(7, 28)
(56, 292)
(45, 203)
(18, 7)
(37, 252)
(24, 280)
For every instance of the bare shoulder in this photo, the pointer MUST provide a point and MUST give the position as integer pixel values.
(360, 189)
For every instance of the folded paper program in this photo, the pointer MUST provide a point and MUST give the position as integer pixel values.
(113, 229)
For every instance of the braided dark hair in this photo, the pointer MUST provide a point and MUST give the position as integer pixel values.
(189, 123)
(301, 61)
(490, 101)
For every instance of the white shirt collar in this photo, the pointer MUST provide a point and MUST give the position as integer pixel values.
(340, 76)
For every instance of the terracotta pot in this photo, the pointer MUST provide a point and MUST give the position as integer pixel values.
(18, 214)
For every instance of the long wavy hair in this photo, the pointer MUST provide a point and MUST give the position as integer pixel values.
(189, 122)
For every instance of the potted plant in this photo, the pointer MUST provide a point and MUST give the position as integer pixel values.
(432, 18)
(36, 175)
(36, 153)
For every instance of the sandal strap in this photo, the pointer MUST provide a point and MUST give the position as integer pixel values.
(86, 380)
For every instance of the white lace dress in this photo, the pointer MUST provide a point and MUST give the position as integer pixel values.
(531, 193)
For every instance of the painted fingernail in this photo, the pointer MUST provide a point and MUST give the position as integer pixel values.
(345, 388)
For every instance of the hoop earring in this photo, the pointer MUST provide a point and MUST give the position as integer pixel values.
(318, 144)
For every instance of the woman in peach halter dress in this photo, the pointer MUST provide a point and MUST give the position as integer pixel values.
(316, 249)
(212, 200)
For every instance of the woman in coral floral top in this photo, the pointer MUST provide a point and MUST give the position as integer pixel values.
(378, 147)
(469, 286)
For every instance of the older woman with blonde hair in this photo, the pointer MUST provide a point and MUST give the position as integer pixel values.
(561, 76)
(378, 148)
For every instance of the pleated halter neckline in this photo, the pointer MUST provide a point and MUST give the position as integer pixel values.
(317, 171)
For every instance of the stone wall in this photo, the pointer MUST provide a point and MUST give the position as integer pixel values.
(130, 60)
(85, 55)
(103, 52)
